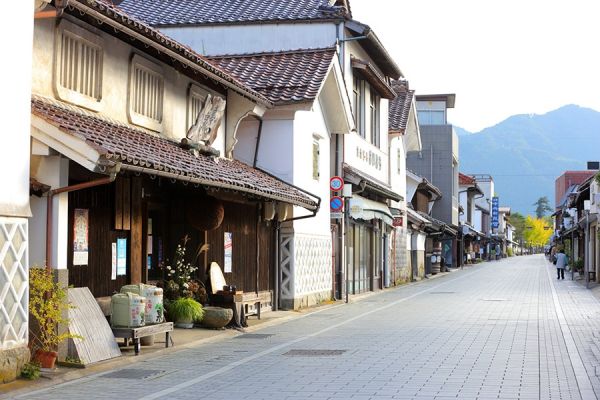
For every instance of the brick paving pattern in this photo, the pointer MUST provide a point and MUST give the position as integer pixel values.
(492, 331)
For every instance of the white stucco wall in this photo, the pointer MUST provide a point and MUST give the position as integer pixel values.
(16, 84)
(239, 39)
(15, 80)
(477, 221)
(397, 161)
(115, 80)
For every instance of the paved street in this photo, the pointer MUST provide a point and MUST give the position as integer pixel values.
(505, 330)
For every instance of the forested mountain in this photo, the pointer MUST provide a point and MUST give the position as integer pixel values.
(526, 153)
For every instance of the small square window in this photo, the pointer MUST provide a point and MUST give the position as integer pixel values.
(316, 160)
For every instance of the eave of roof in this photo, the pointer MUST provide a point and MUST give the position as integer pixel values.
(138, 151)
(371, 183)
(374, 78)
(449, 98)
(107, 13)
(375, 48)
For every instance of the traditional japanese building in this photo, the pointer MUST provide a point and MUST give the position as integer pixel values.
(131, 135)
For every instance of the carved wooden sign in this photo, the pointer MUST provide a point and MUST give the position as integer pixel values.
(207, 122)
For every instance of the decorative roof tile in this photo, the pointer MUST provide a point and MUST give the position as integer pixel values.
(173, 12)
(400, 106)
(135, 149)
(282, 77)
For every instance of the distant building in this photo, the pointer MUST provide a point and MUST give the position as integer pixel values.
(438, 161)
(566, 180)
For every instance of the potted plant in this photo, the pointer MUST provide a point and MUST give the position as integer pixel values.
(185, 311)
(47, 304)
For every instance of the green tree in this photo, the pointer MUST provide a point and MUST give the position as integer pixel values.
(542, 206)
(518, 221)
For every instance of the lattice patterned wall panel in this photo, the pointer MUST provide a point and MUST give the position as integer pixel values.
(400, 256)
(14, 282)
(312, 264)
(287, 265)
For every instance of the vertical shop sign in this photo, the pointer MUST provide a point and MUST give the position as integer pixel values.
(113, 273)
(228, 247)
(495, 216)
(122, 256)
(80, 236)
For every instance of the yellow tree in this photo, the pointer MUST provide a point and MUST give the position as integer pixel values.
(537, 231)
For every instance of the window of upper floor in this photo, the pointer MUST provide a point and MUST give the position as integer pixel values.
(431, 112)
(366, 115)
(78, 66)
(316, 159)
(146, 93)
(195, 103)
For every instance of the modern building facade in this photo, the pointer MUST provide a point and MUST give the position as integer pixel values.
(438, 161)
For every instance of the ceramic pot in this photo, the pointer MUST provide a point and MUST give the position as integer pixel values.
(47, 359)
(187, 324)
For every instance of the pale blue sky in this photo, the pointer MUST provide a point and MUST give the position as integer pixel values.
(500, 57)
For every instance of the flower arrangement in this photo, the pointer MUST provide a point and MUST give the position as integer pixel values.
(180, 272)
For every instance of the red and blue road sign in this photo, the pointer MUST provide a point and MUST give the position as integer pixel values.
(336, 184)
(336, 203)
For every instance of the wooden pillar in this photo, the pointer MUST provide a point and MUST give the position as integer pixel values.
(135, 257)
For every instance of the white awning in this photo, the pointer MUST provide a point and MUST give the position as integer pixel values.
(365, 209)
(417, 216)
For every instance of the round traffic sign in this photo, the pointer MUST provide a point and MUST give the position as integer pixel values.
(336, 203)
(336, 183)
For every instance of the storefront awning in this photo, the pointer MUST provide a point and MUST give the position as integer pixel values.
(357, 177)
(99, 143)
(365, 209)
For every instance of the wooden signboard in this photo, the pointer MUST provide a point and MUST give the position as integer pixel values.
(88, 321)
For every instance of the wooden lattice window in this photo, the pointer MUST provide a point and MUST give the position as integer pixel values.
(196, 99)
(78, 66)
(146, 93)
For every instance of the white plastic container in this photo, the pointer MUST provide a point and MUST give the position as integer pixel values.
(127, 310)
(154, 301)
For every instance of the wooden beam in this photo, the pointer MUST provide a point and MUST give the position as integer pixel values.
(137, 241)
(45, 14)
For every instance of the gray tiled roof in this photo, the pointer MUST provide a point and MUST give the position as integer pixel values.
(136, 149)
(282, 77)
(172, 12)
(400, 106)
(160, 42)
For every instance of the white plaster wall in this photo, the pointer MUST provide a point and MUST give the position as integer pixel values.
(462, 199)
(115, 80)
(353, 142)
(239, 39)
(52, 171)
(16, 84)
(477, 220)
(308, 127)
(397, 161)
(15, 80)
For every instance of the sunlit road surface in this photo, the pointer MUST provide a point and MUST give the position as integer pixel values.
(505, 329)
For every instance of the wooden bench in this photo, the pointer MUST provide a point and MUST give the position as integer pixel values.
(136, 333)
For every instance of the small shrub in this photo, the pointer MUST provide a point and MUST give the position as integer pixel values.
(186, 309)
(31, 371)
(509, 252)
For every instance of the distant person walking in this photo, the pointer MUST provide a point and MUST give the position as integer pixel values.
(561, 263)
